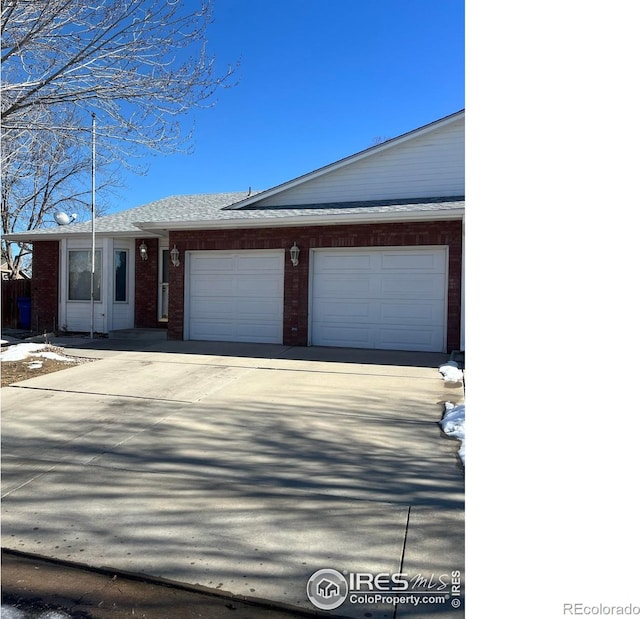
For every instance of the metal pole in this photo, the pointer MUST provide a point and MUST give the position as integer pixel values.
(93, 211)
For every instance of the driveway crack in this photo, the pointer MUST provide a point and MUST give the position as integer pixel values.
(404, 547)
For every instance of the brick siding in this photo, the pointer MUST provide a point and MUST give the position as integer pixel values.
(44, 286)
(146, 297)
(296, 279)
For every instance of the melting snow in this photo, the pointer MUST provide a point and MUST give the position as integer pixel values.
(450, 372)
(23, 351)
(452, 424)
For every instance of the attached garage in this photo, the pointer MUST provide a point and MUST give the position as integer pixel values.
(234, 296)
(380, 242)
(385, 298)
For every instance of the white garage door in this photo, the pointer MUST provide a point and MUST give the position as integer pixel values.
(235, 296)
(387, 298)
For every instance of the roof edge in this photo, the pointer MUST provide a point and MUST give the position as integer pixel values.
(336, 165)
(27, 237)
(305, 220)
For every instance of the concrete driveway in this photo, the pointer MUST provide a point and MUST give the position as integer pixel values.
(243, 468)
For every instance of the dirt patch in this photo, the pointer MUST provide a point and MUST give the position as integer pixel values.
(32, 366)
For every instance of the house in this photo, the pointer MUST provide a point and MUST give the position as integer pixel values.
(366, 252)
(6, 272)
(327, 588)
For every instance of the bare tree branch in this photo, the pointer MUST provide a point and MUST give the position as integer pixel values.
(139, 65)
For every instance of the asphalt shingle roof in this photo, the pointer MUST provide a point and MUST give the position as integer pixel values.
(212, 207)
(334, 210)
(173, 208)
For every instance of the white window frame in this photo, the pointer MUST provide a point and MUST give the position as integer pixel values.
(126, 276)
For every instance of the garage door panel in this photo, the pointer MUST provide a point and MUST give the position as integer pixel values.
(327, 285)
(334, 311)
(259, 263)
(202, 330)
(208, 309)
(236, 296)
(341, 335)
(203, 264)
(414, 261)
(253, 310)
(254, 332)
(211, 283)
(234, 332)
(411, 286)
(250, 286)
(342, 262)
(409, 339)
(380, 298)
(412, 313)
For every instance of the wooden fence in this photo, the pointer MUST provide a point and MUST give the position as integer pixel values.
(12, 289)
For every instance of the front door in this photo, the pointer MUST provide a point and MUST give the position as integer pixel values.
(163, 284)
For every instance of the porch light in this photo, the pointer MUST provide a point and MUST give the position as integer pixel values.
(143, 251)
(295, 254)
(175, 256)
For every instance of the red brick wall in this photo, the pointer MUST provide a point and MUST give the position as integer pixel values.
(296, 279)
(146, 298)
(44, 285)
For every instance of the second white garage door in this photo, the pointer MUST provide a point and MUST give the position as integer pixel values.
(235, 296)
(387, 298)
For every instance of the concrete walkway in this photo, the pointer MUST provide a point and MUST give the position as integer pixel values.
(243, 468)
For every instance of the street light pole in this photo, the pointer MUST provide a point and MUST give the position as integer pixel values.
(93, 212)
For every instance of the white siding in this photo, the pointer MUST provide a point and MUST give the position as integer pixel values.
(429, 165)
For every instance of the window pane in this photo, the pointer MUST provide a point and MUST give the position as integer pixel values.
(80, 275)
(121, 275)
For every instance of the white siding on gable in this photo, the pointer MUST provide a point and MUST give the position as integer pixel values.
(428, 165)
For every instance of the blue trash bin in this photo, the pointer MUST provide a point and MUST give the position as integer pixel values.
(24, 312)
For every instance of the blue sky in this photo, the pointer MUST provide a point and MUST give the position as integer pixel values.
(318, 81)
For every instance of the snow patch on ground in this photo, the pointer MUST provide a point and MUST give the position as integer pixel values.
(452, 424)
(450, 372)
(19, 352)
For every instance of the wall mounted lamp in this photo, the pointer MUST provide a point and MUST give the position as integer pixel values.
(175, 256)
(295, 254)
(144, 254)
